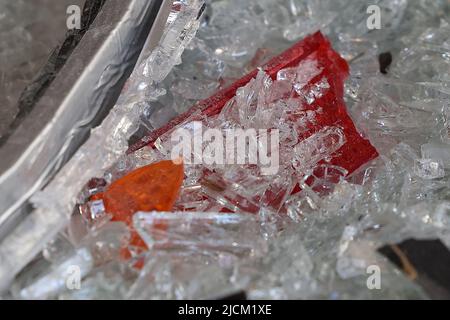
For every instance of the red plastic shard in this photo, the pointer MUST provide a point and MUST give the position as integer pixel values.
(356, 151)
(215, 103)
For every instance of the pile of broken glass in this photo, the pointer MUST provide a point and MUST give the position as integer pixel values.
(362, 158)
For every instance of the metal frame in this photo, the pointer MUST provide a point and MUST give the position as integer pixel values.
(78, 99)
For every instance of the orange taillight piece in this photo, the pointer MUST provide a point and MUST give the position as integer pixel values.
(151, 188)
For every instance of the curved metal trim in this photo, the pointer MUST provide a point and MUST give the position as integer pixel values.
(78, 99)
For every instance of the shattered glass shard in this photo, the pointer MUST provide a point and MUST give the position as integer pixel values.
(200, 232)
(319, 146)
(429, 168)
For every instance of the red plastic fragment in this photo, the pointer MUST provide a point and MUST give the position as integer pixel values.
(356, 151)
(215, 103)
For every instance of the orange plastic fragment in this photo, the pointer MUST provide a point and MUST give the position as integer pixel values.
(151, 188)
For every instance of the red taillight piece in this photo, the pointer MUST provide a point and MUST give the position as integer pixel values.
(355, 152)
